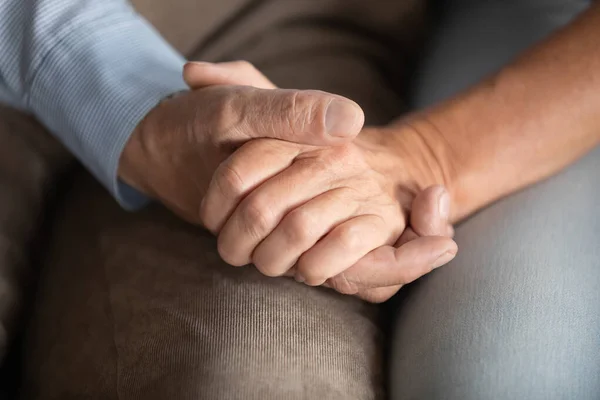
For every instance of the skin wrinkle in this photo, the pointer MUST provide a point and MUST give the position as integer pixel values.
(257, 218)
(345, 286)
(290, 111)
(237, 119)
(432, 160)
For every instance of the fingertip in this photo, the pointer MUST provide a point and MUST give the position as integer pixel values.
(191, 65)
(430, 211)
(446, 256)
(189, 68)
(344, 118)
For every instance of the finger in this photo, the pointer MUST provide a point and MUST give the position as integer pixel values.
(299, 116)
(389, 266)
(408, 235)
(430, 212)
(343, 247)
(374, 295)
(259, 213)
(202, 74)
(252, 164)
(429, 216)
(301, 229)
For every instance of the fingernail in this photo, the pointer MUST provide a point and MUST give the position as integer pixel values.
(444, 205)
(443, 259)
(299, 278)
(341, 118)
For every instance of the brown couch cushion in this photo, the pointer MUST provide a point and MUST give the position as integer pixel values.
(184, 23)
(29, 161)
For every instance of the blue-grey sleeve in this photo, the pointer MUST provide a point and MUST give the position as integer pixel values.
(89, 70)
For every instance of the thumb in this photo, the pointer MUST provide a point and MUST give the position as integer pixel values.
(300, 116)
(431, 212)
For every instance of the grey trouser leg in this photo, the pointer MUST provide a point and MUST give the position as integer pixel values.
(517, 314)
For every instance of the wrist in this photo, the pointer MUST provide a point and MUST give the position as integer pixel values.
(130, 170)
(423, 158)
(409, 155)
(430, 158)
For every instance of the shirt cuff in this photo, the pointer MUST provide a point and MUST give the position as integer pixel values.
(96, 84)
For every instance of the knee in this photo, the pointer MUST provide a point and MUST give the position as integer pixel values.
(530, 330)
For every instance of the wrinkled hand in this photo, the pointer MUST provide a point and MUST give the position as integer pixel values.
(174, 151)
(322, 210)
(381, 273)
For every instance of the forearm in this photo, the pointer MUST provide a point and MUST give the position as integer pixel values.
(525, 123)
(88, 70)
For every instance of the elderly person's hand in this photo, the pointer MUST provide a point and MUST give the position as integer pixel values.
(320, 210)
(379, 274)
(175, 150)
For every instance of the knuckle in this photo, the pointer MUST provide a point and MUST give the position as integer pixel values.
(326, 164)
(349, 236)
(349, 152)
(257, 216)
(298, 226)
(343, 161)
(228, 181)
(227, 252)
(313, 275)
(349, 156)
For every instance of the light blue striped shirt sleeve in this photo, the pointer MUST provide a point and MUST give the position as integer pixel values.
(89, 70)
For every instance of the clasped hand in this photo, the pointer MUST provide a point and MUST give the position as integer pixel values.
(291, 187)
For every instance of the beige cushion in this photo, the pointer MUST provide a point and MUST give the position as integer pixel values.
(184, 23)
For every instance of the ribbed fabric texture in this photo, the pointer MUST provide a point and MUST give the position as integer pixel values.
(89, 71)
(140, 306)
